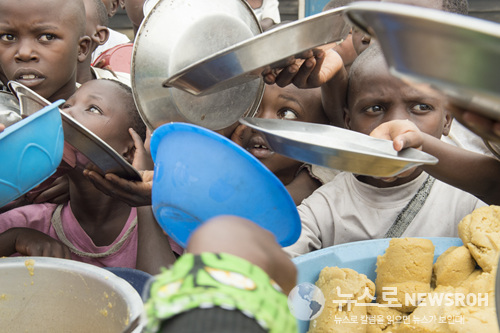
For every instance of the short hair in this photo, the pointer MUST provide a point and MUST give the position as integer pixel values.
(102, 13)
(135, 119)
(456, 6)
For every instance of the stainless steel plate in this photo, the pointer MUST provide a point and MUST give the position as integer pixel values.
(246, 60)
(9, 109)
(337, 148)
(78, 139)
(457, 54)
(177, 33)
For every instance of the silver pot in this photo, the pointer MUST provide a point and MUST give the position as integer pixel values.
(40, 294)
(9, 109)
(177, 33)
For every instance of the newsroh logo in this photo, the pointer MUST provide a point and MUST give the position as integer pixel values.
(306, 301)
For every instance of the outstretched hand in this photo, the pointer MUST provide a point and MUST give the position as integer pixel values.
(134, 193)
(403, 134)
(314, 68)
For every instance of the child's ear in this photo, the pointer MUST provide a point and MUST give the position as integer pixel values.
(83, 48)
(128, 152)
(114, 8)
(448, 119)
(101, 35)
(347, 118)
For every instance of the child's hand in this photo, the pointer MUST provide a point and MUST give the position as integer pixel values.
(320, 65)
(2, 127)
(404, 134)
(485, 127)
(57, 192)
(31, 242)
(142, 157)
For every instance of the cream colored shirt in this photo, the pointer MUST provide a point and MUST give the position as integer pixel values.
(347, 210)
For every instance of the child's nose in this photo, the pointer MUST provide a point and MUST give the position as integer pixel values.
(26, 51)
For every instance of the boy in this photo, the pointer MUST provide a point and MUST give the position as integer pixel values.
(287, 103)
(41, 42)
(94, 227)
(353, 208)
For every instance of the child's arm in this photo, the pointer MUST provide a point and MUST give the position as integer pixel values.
(31, 242)
(475, 173)
(153, 248)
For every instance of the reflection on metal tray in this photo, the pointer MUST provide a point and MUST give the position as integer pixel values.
(457, 54)
(337, 148)
(246, 60)
(177, 33)
(99, 155)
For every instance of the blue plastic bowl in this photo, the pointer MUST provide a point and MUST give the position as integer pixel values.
(200, 174)
(31, 150)
(360, 256)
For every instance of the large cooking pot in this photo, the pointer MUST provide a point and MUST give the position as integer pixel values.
(177, 33)
(40, 294)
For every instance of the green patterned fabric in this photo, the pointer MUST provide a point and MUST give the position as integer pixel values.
(218, 280)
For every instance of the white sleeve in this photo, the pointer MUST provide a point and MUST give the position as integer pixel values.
(270, 9)
(316, 218)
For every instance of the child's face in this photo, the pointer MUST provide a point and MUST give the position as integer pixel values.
(375, 97)
(289, 103)
(40, 44)
(100, 106)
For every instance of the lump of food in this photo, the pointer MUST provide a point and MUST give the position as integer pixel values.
(480, 232)
(344, 290)
(383, 318)
(404, 269)
(453, 266)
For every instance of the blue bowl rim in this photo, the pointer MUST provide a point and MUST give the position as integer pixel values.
(23, 122)
(169, 128)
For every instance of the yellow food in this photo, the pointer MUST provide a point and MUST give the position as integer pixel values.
(453, 266)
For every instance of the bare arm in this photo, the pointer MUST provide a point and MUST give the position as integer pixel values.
(31, 242)
(153, 248)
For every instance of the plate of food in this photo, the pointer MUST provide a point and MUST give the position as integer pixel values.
(246, 60)
(456, 54)
(337, 148)
(97, 154)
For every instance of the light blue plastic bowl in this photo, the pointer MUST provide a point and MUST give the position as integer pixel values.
(360, 256)
(200, 174)
(31, 150)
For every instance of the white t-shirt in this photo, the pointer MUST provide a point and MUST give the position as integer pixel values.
(347, 210)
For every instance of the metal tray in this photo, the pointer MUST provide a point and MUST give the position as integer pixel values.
(78, 138)
(177, 33)
(456, 54)
(245, 61)
(337, 148)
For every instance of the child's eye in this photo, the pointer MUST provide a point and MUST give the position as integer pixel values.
(287, 114)
(374, 109)
(7, 37)
(421, 108)
(47, 37)
(65, 106)
(94, 109)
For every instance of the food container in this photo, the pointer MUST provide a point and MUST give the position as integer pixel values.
(360, 256)
(41, 294)
(177, 33)
(9, 109)
(117, 58)
(31, 151)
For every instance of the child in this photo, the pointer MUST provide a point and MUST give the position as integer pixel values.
(353, 208)
(96, 228)
(96, 29)
(288, 103)
(41, 43)
(203, 291)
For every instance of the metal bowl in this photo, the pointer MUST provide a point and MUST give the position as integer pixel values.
(9, 109)
(457, 54)
(41, 294)
(177, 33)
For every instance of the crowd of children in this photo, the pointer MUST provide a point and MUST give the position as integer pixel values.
(49, 45)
